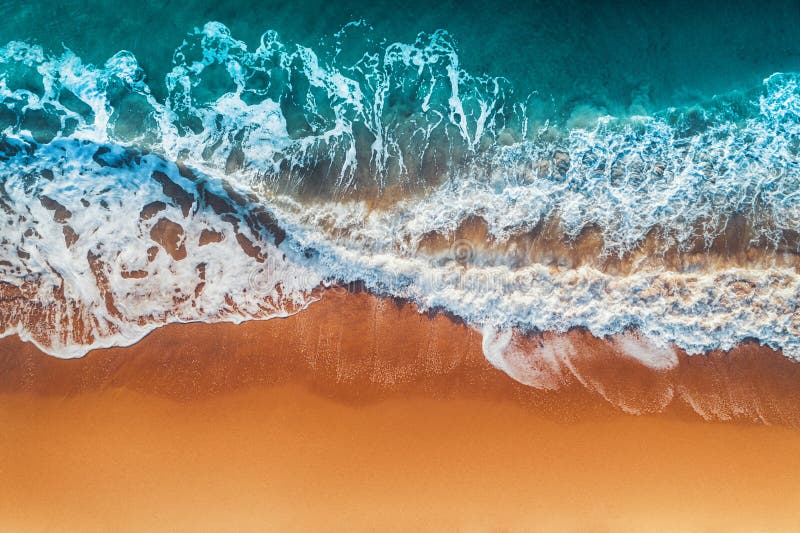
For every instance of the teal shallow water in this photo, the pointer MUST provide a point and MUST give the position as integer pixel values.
(616, 56)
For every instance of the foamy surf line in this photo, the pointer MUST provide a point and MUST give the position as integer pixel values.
(253, 187)
(110, 242)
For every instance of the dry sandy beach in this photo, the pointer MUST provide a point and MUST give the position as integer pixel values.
(294, 424)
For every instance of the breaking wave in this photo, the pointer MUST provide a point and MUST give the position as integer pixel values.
(262, 177)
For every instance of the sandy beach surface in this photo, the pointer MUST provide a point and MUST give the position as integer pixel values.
(359, 414)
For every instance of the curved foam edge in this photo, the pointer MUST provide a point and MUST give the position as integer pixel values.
(357, 347)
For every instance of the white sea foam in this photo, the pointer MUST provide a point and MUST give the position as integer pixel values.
(285, 118)
(69, 308)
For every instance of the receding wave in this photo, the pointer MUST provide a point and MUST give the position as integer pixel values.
(250, 181)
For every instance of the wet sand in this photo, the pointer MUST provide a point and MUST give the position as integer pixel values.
(286, 459)
(361, 414)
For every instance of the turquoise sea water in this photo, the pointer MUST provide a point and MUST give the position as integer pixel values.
(607, 54)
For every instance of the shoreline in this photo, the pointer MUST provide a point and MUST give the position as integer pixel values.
(299, 424)
(356, 347)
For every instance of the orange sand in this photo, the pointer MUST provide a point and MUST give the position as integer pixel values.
(299, 424)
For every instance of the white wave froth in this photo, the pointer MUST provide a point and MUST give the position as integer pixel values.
(285, 117)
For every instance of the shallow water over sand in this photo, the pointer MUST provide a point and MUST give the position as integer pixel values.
(216, 173)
